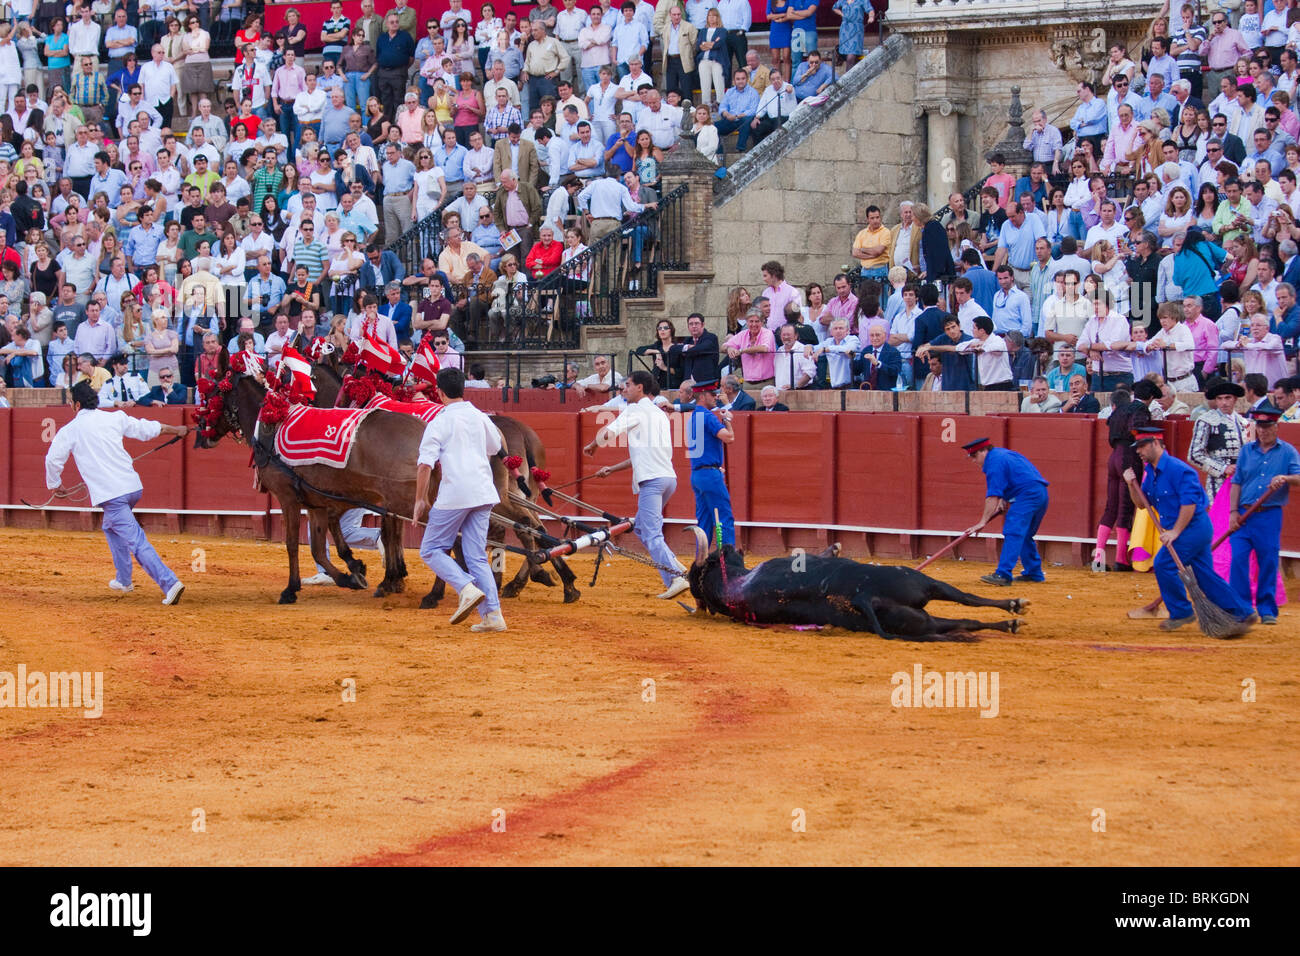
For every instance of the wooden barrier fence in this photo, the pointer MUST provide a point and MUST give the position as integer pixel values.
(887, 484)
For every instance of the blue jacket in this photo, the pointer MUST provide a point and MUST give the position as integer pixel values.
(1169, 485)
(891, 365)
(743, 402)
(177, 396)
(1009, 474)
(985, 285)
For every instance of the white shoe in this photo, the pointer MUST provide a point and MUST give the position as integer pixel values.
(116, 585)
(174, 593)
(678, 585)
(1098, 562)
(470, 598)
(492, 621)
(320, 577)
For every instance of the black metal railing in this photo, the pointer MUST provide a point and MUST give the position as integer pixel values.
(548, 311)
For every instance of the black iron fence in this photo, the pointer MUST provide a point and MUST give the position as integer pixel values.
(531, 309)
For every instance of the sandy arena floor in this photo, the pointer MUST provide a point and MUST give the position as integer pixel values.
(232, 705)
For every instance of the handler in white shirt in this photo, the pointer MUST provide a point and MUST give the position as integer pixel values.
(462, 439)
(94, 439)
(650, 451)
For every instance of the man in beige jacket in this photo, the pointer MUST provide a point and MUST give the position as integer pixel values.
(677, 57)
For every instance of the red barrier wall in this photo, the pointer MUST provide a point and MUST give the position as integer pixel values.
(856, 469)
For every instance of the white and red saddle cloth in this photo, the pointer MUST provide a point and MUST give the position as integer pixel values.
(319, 436)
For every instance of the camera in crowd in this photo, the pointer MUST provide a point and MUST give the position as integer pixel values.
(546, 381)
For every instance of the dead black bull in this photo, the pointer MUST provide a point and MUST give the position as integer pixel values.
(838, 592)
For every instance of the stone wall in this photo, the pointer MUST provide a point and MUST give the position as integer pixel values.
(804, 208)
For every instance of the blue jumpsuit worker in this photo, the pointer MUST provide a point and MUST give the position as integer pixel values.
(1264, 463)
(1174, 489)
(706, 430)
(1014, 482)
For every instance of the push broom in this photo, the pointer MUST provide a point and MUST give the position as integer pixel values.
(1153, 609)
(1213, 620)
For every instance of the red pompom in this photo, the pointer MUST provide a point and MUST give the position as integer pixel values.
(513, 462)
(540, 476)
(205, 386)
(275, 409)
(351, 353)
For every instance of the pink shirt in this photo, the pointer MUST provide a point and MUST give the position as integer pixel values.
(756, 367)
(1113, 328)
(1206, 336)
(288, 83)
(1118, 145)
(780, 297)
(1265, 358)
(845, 308)
(1221, 50)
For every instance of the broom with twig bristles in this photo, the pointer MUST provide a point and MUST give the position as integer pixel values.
(1213, 620)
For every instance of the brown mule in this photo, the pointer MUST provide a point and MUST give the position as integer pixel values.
(381, 472)
(519, 439)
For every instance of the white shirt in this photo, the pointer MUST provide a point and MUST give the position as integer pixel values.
(967, 315)
(664, 126)
(157, 82)
(839, 359)
(127, 388)
(83, 38)
(1180, 358)
(994, 363)
(801, 366)
(94, 439)
(462, 438)
(1099, 232)
(649, 441)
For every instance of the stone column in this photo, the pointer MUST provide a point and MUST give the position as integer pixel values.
(686, 165)
(942, 165)
(1012, 145)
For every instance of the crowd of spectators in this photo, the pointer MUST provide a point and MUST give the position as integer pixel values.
(1155, 240)
(144, 216)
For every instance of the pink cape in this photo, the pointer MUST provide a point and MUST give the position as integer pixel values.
(1220, 511)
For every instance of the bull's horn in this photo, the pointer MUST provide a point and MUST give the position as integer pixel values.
(701, 542)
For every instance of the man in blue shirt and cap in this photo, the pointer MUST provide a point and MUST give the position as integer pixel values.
(1264, 465)
(1015, 484)
(707, 429)
(1174, 490)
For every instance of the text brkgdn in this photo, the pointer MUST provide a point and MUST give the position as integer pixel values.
(946, 689)
(83, 690)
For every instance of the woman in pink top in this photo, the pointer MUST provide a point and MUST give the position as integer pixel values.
(469, 109)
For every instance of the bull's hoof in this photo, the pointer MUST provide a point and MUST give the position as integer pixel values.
(835, 549)
(1015, 625)
(543, 577)
(428, 601)
(571, 595)
(511, 590)
(1019, 605)
(383, 591)
(288, 596)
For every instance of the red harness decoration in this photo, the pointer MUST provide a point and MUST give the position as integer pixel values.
(425, 411)
(318, 436)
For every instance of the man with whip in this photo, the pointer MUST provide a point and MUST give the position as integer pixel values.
(650, 456)
(1266, 469)
(1174, 489)
(462, 439)
(94, 439)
